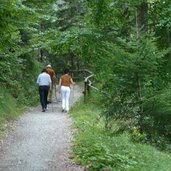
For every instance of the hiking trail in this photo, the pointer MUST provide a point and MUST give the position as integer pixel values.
(40, 141)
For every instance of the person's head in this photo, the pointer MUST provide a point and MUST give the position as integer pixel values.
(49, 66)
(66, 71)
(44, 70)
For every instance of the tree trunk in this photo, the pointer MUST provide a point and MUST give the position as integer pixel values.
(142, 19)
(169, 42)
(71, 60)
(142, 27)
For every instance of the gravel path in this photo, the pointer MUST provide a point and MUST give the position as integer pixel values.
(40, 141)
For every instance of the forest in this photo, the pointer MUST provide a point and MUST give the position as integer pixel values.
(125, 43)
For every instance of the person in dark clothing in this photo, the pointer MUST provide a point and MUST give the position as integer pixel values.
(44, 82)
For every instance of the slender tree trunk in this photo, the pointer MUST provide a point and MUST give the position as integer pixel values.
(78, 65)
(72, 59)
(169, 42)
(142, 18)
(41, 54)
(141, 27)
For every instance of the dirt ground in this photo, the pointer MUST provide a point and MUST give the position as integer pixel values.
(40, 141)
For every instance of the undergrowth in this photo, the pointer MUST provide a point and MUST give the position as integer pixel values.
(8, 109)
(100, 149)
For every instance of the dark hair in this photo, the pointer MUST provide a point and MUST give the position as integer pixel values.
(44, 70)
(66, 71)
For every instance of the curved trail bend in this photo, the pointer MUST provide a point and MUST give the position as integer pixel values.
(40, 141)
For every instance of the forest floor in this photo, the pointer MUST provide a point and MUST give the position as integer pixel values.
(40, 141)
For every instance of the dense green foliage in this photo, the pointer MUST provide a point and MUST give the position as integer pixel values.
(130, 56)
(33, 34)
(101, 149)
(18, 64)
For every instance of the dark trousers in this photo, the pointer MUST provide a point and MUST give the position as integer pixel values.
(43, 92)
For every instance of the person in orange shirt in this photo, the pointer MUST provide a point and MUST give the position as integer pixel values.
(51, 72)
(64, 87)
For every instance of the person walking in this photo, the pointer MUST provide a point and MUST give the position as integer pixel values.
(44, 82)
(65, 82)
(51, 72)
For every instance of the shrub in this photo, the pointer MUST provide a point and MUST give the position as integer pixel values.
(157, 114)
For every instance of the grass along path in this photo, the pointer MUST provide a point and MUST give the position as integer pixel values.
(101, 149)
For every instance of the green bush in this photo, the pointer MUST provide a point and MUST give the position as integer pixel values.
(157, 114)
(8, 108)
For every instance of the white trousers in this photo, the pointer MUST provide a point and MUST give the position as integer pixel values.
(65, 92)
